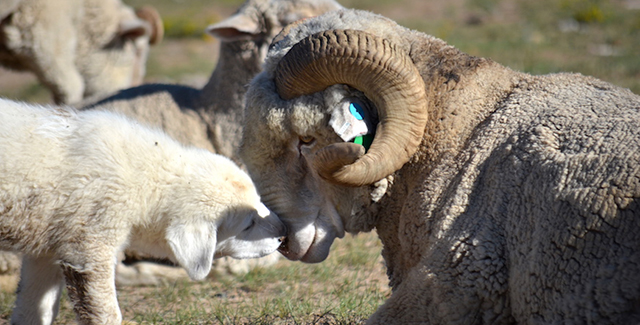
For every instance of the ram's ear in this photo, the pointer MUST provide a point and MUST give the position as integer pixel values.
(133, 28)
(235, 28)
(193, 245)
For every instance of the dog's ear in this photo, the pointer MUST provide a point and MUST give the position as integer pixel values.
(193, 245)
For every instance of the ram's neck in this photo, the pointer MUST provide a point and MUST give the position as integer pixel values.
(463, 91)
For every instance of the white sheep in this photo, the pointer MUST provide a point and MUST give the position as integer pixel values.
(78, 48)
(499, 197)
(77, 187)
(211, 117)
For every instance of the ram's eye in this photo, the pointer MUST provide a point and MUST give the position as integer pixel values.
(251, 224)
(307, 140)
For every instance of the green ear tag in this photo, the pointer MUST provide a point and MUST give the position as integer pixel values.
(358, 113)
(364, 140)
(367, 140)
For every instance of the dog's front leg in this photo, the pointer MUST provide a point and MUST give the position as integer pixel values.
(38, 291)
(91, 288)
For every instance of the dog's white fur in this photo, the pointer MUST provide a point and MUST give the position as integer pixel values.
(78, 187)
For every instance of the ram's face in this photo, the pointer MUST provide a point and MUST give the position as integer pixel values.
(281, 160)
(301, 117)
(308, 206)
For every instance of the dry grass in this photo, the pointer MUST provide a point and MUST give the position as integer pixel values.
(344, 289)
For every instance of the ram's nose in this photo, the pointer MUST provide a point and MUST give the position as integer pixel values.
(284, 247)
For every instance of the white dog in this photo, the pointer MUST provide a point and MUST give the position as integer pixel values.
(78, 187)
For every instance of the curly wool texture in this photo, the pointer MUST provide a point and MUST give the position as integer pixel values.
(521, 204)
(533, 220)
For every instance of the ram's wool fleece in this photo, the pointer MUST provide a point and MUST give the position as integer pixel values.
(500, 197)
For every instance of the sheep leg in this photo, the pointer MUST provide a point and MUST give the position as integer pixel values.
(38, 291)
(91, 289)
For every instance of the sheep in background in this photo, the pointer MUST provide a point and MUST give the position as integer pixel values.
(499, 197)
(78, 48)
(77, 187)
(211, 117)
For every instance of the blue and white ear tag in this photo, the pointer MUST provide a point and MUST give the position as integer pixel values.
(364, 140)
(349, 121)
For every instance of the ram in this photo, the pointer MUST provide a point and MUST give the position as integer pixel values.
(211, 117)
(499, 197)
(78, 48)
(77, 187)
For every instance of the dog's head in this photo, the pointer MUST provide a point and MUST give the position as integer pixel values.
(217, 213)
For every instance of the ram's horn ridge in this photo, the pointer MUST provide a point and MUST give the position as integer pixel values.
(384, 73)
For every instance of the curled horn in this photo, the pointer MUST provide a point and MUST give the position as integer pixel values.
(385, 74)
(151, 15)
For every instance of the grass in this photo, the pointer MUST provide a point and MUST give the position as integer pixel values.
(593, 37)
(545, 36)
(344, 289)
